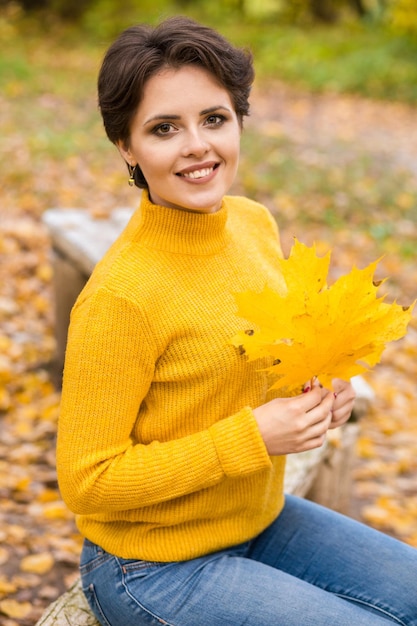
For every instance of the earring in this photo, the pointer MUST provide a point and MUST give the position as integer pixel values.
(132, 169)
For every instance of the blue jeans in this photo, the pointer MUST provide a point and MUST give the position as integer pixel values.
(311, 567)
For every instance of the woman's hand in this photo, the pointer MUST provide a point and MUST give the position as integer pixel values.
(343, 404)
(297, 424)
(289, 425)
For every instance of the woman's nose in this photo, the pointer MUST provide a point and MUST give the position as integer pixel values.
(195, 143)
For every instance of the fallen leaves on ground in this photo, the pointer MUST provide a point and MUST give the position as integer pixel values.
(37, 533)
(385, 477)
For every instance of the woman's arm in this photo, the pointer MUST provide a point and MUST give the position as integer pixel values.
(102, 464)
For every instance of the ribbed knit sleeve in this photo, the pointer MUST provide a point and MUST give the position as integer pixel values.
(109, 368)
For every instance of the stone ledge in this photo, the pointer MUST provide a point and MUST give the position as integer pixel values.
(71, 609)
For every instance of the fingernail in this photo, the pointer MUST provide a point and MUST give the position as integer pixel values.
(306, 389)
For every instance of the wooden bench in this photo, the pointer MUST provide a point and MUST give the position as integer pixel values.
(78, 241)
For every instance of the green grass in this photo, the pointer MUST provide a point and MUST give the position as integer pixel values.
(353, 58)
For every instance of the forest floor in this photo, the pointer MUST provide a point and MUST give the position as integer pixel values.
(39, 545)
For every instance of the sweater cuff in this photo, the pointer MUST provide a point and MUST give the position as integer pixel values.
(239, 445)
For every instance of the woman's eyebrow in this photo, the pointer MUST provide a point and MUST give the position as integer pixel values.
(162, 116)
(219, 107)
(172, 116)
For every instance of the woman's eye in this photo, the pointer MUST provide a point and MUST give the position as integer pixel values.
(163, 129)
(215, 120)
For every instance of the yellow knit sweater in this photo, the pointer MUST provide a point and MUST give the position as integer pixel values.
(159, 453)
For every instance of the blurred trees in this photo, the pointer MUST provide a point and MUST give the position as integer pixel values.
(399, 15)
(403, 16)
(65, 9)
(320, 10)
(327, 10)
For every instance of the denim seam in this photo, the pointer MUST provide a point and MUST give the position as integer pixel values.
(91, 588)
(161, 620)
(372, 606)
(137, 566)
(86, 568)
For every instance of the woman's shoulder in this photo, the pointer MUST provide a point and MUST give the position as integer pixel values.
(245, 211)
(125, 273)
(243, 202)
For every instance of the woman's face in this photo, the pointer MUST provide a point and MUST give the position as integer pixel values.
(185, 137)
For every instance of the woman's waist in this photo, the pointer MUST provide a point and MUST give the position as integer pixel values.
(193, 525)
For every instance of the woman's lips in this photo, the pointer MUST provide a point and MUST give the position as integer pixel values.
(198, 172)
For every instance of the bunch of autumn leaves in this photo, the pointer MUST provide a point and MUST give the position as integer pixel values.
(313, 330)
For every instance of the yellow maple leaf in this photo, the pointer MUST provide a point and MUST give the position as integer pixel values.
(310, 329)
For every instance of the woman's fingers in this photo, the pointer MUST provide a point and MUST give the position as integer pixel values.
(344, 401)
(315, 422)
(296, 424)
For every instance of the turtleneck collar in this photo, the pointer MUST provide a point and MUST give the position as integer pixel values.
(181, 231)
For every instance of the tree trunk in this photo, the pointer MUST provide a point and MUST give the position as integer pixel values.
(359, 7)
(324, 10)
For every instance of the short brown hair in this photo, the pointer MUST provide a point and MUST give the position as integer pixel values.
(141, 51)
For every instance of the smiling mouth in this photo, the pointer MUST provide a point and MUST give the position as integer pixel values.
(196, 174)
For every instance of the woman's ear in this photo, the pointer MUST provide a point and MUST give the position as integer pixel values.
(125, 153)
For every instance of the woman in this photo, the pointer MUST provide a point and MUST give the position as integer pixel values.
(171, 450)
